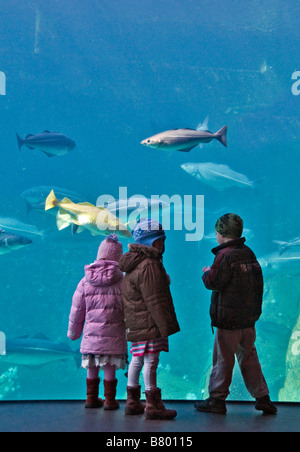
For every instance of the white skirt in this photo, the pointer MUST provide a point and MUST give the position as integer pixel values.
(88, 361)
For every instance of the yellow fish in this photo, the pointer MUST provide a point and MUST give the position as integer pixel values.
(98, 220)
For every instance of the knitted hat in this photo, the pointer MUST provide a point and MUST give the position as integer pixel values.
(147, 231)
(111, 249)
(230, 226)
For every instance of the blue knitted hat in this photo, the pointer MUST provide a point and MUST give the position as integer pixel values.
(146, 231)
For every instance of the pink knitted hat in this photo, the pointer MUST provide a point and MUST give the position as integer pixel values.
(111, 249)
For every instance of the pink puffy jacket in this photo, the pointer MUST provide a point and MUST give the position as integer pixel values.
(97, 310)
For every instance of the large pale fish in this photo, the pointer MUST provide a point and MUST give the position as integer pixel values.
(12, 242)
(16, 225)
(35, 197)
(125, 207)
(37, 351)
(51, 143)
(217, 176)
(184, 140)
(98, 220)
(283, 246)
(287, 263)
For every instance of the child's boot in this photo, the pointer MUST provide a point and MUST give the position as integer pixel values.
(134, 405)
(92, 394)
(155, 409)
(110, 391)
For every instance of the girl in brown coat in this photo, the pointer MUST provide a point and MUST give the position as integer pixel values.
(150, 316)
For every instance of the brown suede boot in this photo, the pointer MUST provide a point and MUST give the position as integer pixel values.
(134, 405)
(110, 391)
(93, 392)
(155, 409)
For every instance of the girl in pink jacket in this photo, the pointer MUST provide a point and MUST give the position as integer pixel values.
(97, 312)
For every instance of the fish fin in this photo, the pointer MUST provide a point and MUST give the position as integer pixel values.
(47, 153)
(187, 149)
(20, 141)
(222, 135)
(63, 220)
(29, 207)
(76, 228)
(204, 126)
(51, 201)
(67, 201)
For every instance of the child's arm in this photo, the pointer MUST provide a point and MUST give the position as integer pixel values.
(156, 294)
(77, 315)
(219, 275)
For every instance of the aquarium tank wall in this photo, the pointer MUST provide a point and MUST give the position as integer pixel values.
(97, 78)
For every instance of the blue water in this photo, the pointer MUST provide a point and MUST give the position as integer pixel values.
(109, 74)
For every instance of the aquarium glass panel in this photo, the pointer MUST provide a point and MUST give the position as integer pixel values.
(84, 87)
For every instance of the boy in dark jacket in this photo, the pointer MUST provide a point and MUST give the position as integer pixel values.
(150, 316)
(237, 283)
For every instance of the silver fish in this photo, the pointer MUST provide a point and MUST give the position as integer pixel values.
(184, 140)
(11, 242)
(51, 143)
(219, 177)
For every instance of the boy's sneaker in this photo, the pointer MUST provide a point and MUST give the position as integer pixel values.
(211, 405)
(266, 405)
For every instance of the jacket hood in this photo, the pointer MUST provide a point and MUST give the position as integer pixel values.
(103, 273)
(236, 243)
(136, 255)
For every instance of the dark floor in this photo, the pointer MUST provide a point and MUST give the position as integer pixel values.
(71, 416)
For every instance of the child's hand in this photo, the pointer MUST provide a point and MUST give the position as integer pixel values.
(206, 269)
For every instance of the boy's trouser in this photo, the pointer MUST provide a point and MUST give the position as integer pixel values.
(239, 343)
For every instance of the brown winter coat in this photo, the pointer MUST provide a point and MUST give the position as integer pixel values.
(148, 304)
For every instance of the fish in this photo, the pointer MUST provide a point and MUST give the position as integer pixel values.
(283, 246)
(287, 263)
(51, 143)
(11, 242)
(139, 204)
(18, 226)
(184, 140)
(220, 177)
(35, 197)
(37, 351)
(98, 220)
(212, 237)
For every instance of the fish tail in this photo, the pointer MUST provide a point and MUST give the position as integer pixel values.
(20, 141)
(222, 136)
(51, 201)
